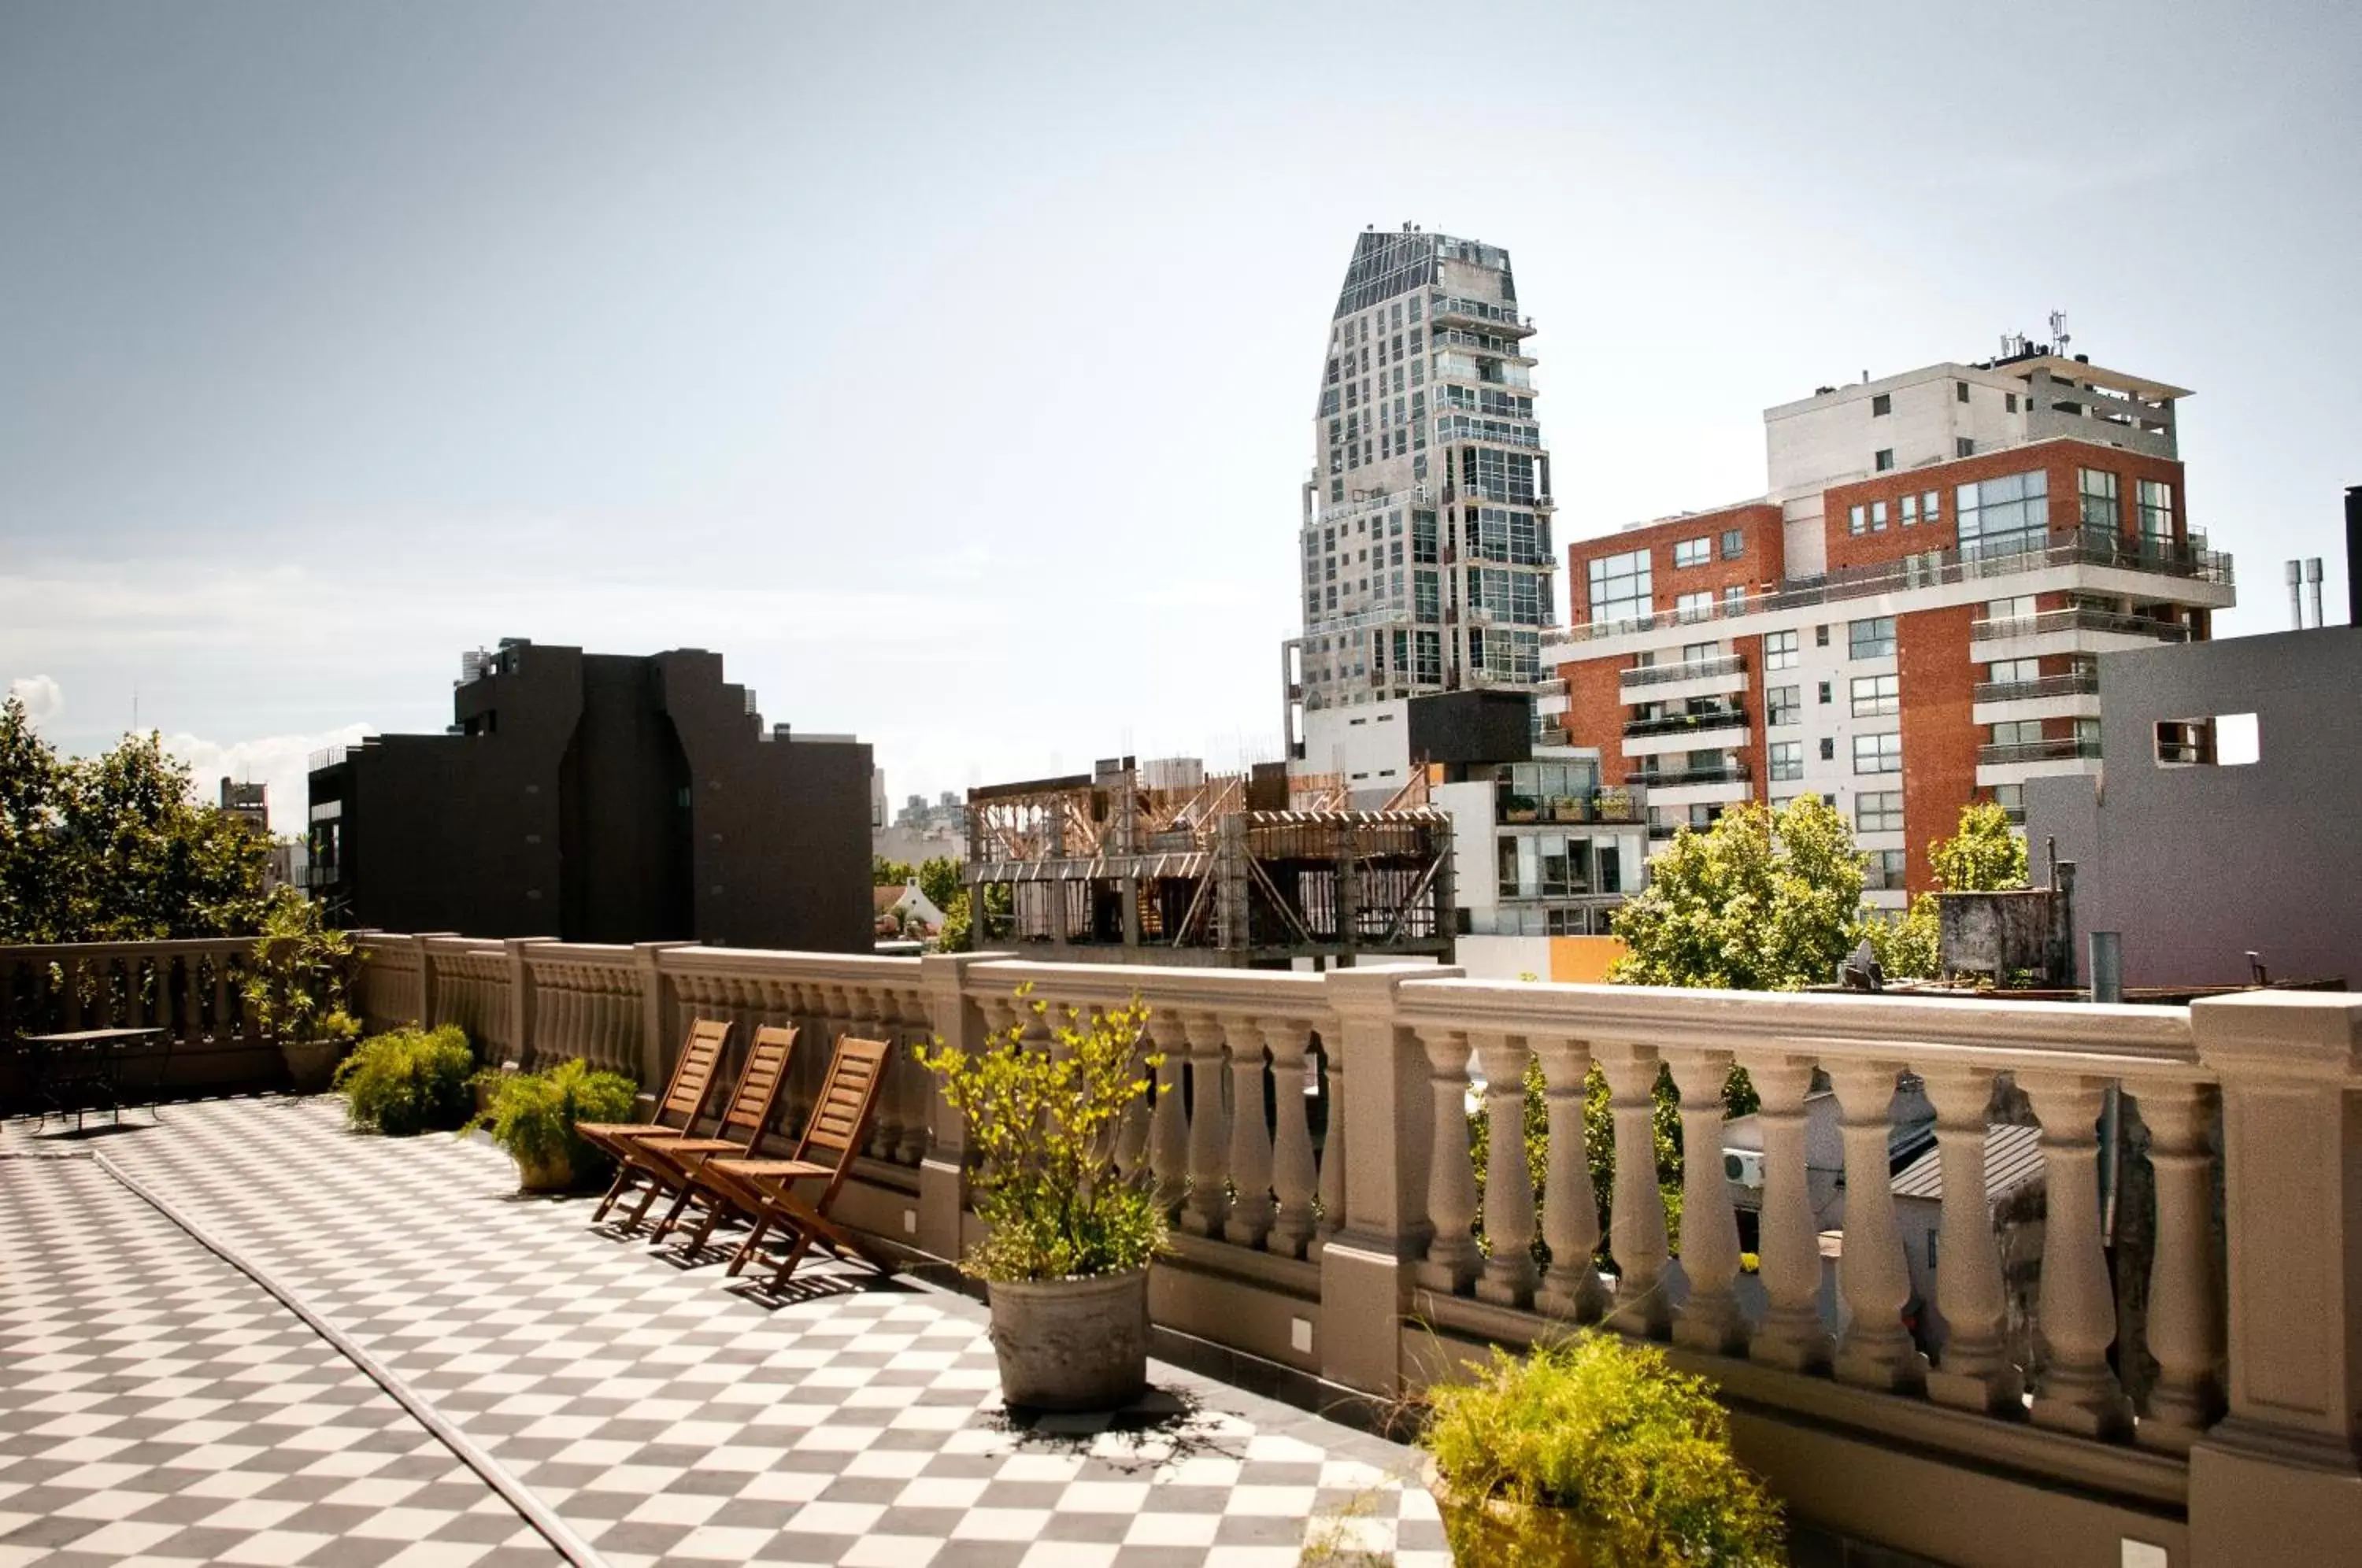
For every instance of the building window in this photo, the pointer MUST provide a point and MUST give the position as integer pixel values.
(2156, 498)
(1829, 749)
(1780, 650)
(1930, 506)
(1780, 706)
(1909, 511)
(1882, 871)
(2096, 491)
(1734, 599)
(1883, 460)
(1694, 606)
(1858, 519)
(2011, 799)
(1692, 552)
(2004, 515)
(1820, 636)
(1963, 447)
(2009, 403)
(1873, 638)
(1621, 587)
(1878, 517)
(1878, 811)
(1787, 760)
(1961, 391)
(2017, 732)
(1878, 754)
(1883, 403)
(1734, 544)
(1877, 694)
(1698, 653)
(1825, 693)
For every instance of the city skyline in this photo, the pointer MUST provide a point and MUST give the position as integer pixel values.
(340, 347)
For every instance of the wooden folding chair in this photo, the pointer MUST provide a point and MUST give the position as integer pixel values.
(673, 1162)
(824, 1154)
(678, 1113)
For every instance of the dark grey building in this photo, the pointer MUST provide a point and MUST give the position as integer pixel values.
(600, 798)
(2222, 819)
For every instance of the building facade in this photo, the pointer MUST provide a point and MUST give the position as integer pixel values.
(600, 798)
(1427, 562)
(1908, 619)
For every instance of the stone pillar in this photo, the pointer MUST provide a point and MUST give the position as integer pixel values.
(1293, 1175)
(521, 997)
(1511, 1274)
(1333, 1159)
(2276, 1483)
(2077, 1391)
(1452, 1256)
(1975, 1372)
(957, 1022)
(1572, 1289)
(1250, 1205)
(1366, 1263)
(1875, 1351)
(2185, 1326)
(1710, 1319)
(657, 1046)
(1210, 1201)
(1636, 1217)
(1168, 1124)
(1788, 1236)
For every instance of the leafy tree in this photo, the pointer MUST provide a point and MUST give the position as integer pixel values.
(939, 879)
(885, 873)
(1757, 902)
(959, 934)
(1983, 857)
(29, 844)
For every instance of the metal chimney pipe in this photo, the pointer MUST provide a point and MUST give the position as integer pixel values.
(2312, 587)
(2296, 595)
(2353, 555)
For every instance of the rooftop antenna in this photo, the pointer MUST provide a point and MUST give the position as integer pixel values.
(2058, 339)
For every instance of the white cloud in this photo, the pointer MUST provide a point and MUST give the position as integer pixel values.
(41, 696)
(282, 762)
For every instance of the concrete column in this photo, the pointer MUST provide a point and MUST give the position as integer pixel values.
(658, 1045)
(957, 1022)
(1636, 1217)
(1572, 1289)
(1366, 1263)
(1210, 1200)
(2276, 1483)
(521, 997)
(1975, 1372)
(1453, 1258)
(1710, 1319)
(1875, 1351)
(2185, 1326)
(1293, 1175)
(1333, 1159)
(1510, 1274)
(1168, 1125)
(2077, 1391)
(1250, 1158)
(428, 991)
(1793, 1335)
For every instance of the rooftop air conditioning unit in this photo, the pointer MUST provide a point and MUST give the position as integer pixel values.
(1743, 1166)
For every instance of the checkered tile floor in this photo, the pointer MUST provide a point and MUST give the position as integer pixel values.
(666, 1418)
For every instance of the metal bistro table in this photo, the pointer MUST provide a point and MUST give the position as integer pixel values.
(63, 1068)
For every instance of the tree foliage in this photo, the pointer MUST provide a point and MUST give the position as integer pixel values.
(117, 848)
(1757, 902)
(939, 879)
(885, 873)
(1983, 857)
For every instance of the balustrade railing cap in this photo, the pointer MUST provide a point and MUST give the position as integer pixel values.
(2306, 1034)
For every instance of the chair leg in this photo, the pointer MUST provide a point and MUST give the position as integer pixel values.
(788, 1264)
(672, 1215)
(615, 1189)
(746, 1249)
(647, 1198)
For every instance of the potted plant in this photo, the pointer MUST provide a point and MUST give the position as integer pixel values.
(1065, 1257)
(1595, 1452)
(408, 1081)
(296, 991)
(532, 1115)
(1519, 808)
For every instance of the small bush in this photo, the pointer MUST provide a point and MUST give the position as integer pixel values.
(532, 1115)
(409, 1081)
(1605, 1427)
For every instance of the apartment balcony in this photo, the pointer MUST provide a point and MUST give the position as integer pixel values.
(2059, 1447)
(2063, 748)
(2073, 696)
(1498, 320)
(2053, 633)
(1730, 770)
(1723, 676)
(1685, 731)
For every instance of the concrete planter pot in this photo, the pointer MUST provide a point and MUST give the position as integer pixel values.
(553, 1175)
(1498, 1534)
(311, 1064)
(1072, 1344)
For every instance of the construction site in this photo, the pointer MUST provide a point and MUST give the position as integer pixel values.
(1167, 864)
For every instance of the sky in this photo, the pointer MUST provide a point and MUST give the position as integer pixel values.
(951, 370)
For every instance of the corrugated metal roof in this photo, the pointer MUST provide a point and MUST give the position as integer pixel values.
(2012, 1160)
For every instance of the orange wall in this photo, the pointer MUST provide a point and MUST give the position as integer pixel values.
(1939, 743)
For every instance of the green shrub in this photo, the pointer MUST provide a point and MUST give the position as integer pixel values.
(1603, 1427)
(302, 973)
(409, 1081)
(532, 1115)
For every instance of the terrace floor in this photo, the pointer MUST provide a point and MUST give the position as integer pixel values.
(158, 1405)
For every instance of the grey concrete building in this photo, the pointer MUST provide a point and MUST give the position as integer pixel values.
(600, 798)
(2214, 827)
(1425, 531)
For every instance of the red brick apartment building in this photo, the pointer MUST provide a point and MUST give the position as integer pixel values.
(1909, 619)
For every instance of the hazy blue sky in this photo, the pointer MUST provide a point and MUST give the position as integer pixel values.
(950, 372)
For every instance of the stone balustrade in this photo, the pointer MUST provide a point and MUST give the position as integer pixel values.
(191, 990)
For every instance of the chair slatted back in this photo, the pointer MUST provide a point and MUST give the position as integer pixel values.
(693, 1075)
(760, 1084)
(840, 1118)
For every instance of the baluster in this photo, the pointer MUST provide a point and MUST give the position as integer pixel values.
(1454, 1259)
(2077, 1391)
(911, 1008)
(1511, 1274)
(223, 1015)
(1636, 1221)
(1974, 1371)
(1332, 1152)
(1210, 1128)
(2185, 1324)
(1250, 1172)
(1572, 1289)
(1169, 1126)
(1293, 1175)
(1131, 1131)
(1875, 1351)
(886, 1127)
(1710, 1319)
(1788, 1235)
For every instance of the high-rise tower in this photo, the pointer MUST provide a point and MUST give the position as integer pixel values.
(1425, 523)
